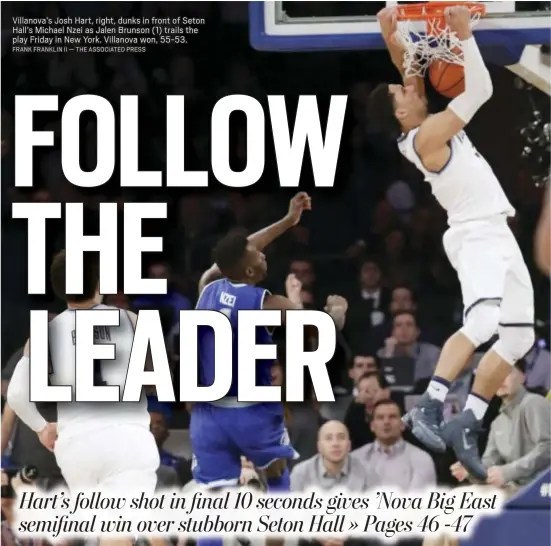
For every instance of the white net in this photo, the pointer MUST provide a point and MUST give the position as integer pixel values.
(428, 41)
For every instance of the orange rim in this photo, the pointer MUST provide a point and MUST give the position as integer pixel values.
(427, 11)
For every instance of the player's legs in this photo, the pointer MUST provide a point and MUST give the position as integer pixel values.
(76, 459)
(216, 458)
(221, 435)
(516, 337)
(133, 460)
(262, 438)
(516, 329)
(121, 459)
(476, 251)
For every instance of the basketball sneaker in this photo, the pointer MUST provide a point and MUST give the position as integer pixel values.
(461, 434)
(425, 421)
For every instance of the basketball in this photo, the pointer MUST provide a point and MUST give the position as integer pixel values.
(447, 78)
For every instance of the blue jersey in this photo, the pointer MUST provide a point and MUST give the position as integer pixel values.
(229, 298)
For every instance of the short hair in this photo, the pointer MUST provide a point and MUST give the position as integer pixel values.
(380, 111)
(363, 355)
(229, 252)
(405, 312)
(379, 376)
(404, 286)
(386, 402)
(90, 276)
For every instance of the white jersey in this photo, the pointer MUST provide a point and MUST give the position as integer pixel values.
(77, 417)
(466, 186)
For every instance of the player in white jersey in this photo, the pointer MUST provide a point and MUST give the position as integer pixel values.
(495, 283)
(97, 445)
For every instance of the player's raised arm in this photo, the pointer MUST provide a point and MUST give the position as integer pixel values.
(336, 306)
(261, 239)
(437, 130)
(18, 398)
(291, 302)
(388, 20)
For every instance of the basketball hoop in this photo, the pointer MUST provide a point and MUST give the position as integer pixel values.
(423, 30)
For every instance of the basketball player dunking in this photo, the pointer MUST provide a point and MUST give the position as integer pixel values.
(97, 445)
(495, 283)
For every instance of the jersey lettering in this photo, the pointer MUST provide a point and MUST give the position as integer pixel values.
(228, 298)
(101, 333)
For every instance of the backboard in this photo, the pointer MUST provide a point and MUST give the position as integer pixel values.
(318, 26)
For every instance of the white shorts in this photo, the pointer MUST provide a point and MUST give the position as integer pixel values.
(490, 267)
(122, 458)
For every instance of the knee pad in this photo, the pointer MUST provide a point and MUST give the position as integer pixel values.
(482, 322)
(514, 342)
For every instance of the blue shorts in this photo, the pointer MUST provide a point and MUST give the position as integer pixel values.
(220, 436)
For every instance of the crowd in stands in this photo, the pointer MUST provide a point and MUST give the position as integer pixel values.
(375, 239)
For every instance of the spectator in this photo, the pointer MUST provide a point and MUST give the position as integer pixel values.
(361, 364)
(371, 388)
(390, 461)
(401, 300)
(304, 271)
(405, 342)
(368, 304)
(519, 446)
(331, 467)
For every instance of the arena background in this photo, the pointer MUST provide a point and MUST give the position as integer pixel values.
(380, 211)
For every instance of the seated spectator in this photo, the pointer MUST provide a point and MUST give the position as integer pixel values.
(405, 342)
(368, 303)
(331, 467)
(519, 446)
(390, 461)
(361, 364)
(303, 270)
(401, 300)
(372, 387)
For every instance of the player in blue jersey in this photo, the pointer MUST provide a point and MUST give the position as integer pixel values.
(224, 431)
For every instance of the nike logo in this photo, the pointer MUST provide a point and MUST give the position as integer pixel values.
(466, 444)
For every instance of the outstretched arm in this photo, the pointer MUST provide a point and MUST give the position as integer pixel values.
(291, 302)
(261, 239)
(436, 131)
(388, 19)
